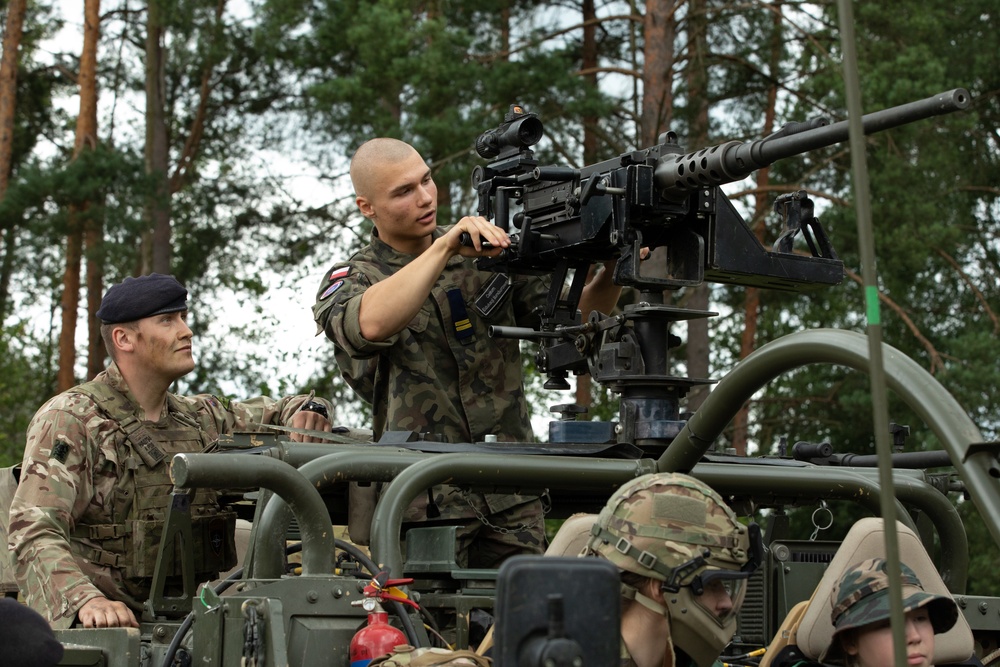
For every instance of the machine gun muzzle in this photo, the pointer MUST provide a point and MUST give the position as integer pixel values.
(680, 174)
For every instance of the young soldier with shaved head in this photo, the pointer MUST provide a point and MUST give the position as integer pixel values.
(87, 517)
(410, 340)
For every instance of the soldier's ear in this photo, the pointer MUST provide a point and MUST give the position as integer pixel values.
(365, 207)
(124, 337)
(849, 642)
(652, 590)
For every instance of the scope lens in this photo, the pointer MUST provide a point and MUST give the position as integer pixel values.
(529, 131)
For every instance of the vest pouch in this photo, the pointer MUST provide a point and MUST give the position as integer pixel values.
(214, 548)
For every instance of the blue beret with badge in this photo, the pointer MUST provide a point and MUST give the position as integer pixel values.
(135, 298)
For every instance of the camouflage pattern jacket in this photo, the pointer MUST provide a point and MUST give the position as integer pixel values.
(71, 472)
(442, 374)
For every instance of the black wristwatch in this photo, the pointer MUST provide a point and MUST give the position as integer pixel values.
(317, 407)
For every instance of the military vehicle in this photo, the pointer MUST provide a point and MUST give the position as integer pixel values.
(304, 610)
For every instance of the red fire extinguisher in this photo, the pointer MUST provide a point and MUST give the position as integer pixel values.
(378, 637)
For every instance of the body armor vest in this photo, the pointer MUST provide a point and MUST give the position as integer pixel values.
(142, 495)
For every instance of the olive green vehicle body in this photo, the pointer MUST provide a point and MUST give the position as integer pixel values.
(307, 617)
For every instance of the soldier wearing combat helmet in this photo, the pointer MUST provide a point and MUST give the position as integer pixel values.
(685, 559)
(86, 520)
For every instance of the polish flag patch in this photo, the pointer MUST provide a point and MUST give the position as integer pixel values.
(342, 272)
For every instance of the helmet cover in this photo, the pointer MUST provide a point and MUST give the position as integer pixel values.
(675, 529)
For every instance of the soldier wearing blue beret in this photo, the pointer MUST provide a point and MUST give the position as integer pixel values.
(145, 296)
(86, 520)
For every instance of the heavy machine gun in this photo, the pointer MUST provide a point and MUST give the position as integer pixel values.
(562, 219)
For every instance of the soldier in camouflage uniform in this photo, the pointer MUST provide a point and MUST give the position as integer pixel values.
(411, 341)
(862, 635)
(685, 559)
(88, 513)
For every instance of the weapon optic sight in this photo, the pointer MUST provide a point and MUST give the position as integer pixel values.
(519, 131)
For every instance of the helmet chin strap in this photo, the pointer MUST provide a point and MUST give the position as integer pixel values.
(631, 593)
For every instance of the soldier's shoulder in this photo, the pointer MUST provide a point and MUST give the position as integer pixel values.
(372, 262)
(68, 407)
(200, 403)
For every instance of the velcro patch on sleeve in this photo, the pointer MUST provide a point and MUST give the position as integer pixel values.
(60, 452)
(331, 289)
(337, 274)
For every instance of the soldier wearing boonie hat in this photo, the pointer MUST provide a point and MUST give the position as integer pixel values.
(860, 601)
(90, 507)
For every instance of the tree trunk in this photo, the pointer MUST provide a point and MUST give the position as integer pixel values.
(93, 229)
(14, 28)
(751, 302)
(8, 87)
(65, 377)
(697, 79)
(589, 62)
(157, 255)
(659, 32)
(82, 218)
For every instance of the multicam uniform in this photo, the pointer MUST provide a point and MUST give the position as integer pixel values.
(86, 519)
(442, 375)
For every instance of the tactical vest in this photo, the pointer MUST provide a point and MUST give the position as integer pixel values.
(131, 541)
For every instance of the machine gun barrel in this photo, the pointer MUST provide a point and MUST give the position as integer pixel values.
(734, 160)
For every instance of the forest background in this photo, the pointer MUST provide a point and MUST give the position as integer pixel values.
(209, 139)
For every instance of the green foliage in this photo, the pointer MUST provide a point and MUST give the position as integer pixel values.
(27, 377)
(935, 231)
(984, 579)
(389, 69)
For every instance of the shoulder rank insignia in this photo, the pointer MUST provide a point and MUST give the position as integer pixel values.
(460, 316)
